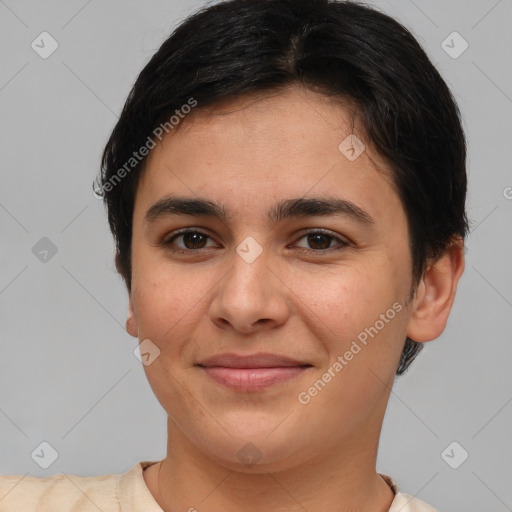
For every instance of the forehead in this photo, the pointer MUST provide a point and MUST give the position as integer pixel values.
(272, 123)
(253, 150)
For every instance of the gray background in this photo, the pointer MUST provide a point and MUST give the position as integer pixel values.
(68, 374)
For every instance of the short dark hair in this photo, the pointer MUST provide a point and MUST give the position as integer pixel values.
(342, 49)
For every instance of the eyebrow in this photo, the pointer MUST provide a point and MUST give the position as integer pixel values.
(290, 208)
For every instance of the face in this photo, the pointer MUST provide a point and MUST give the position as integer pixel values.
(319, 288)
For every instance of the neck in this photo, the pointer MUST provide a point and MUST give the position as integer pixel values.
(342, 478)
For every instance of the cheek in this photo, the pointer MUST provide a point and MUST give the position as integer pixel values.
(167, 301)
(343, 302)
(362, 330)
(168, 306)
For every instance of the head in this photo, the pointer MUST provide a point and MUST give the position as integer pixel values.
(247, 105)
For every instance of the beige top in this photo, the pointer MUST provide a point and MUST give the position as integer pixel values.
(126, 492)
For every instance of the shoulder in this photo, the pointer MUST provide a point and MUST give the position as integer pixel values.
(404, 502)
(59, 492)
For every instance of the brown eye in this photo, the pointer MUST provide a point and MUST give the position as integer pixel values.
(318, 241)
(194, 240)
(191, 241)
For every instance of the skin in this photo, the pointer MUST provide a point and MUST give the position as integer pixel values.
(248, 154)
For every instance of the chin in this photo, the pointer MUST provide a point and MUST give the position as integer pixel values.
(254, 449)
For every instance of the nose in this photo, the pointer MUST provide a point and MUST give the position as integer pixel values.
(250, 297)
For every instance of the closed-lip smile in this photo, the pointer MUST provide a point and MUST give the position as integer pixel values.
(253, 372)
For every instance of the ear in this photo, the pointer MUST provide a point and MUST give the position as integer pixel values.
(435, 294)
(131, 321)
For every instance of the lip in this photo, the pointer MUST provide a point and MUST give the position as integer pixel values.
(259, 360)
(252, 373)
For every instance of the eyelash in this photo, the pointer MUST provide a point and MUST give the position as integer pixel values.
(168, 242)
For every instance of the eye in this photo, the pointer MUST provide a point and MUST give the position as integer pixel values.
(192, 240)
(320, 240)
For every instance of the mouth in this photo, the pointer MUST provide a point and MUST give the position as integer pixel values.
(253, 372)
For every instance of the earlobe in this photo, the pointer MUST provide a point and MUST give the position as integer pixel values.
(436, 293)
(131, 321)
